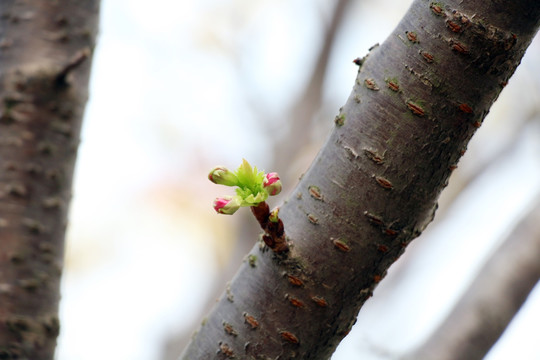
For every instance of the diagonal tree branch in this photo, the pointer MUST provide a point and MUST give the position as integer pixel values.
(45, 58)
(492, 299)
(418, 99)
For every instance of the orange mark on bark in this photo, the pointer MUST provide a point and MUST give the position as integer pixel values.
(251, 321)
(390, 232)
(436, 9)
(374, 156)
(315, 192)
(374, 219)
(289, 337)
(226, 350)
(294, 280)
(384, 182)
(393, 86)
(294, 301)
(411, 35)
(371, 85)
(341, 245)
(427, 56)
(313, 219)
(460, 48)
(415, 108)
(465, 108)
(229, 329)
(453, 26)
(319, 300)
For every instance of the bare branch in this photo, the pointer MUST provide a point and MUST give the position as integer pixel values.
(492, 299)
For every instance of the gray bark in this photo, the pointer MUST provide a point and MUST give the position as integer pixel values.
(45, 53)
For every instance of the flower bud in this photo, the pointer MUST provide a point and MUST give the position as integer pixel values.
(223, 176)
(273, 217)
(226, 205)
(272, 184)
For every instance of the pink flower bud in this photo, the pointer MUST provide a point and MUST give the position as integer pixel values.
(272, 184)
(223, 176)
(226, 205)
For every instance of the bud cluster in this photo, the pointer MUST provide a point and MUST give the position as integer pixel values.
(253, 187)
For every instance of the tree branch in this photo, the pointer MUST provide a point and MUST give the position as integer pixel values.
(492, 299)
(418, 99)
(44, 67)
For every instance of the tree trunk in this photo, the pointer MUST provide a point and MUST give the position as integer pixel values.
(45, 53)
(417, 101)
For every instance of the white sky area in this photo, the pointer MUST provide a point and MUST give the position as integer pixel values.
(178, 87)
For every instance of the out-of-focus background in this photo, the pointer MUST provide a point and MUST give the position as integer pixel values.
(180, 86)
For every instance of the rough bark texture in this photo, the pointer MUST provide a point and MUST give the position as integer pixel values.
(45, 51)
(493, 298)
(418, 99)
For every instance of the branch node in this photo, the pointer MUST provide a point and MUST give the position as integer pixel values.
(72, 64)
(274, 231)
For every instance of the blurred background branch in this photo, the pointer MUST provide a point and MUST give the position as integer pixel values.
(493, 298)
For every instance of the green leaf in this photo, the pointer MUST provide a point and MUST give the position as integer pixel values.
(249, 180)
